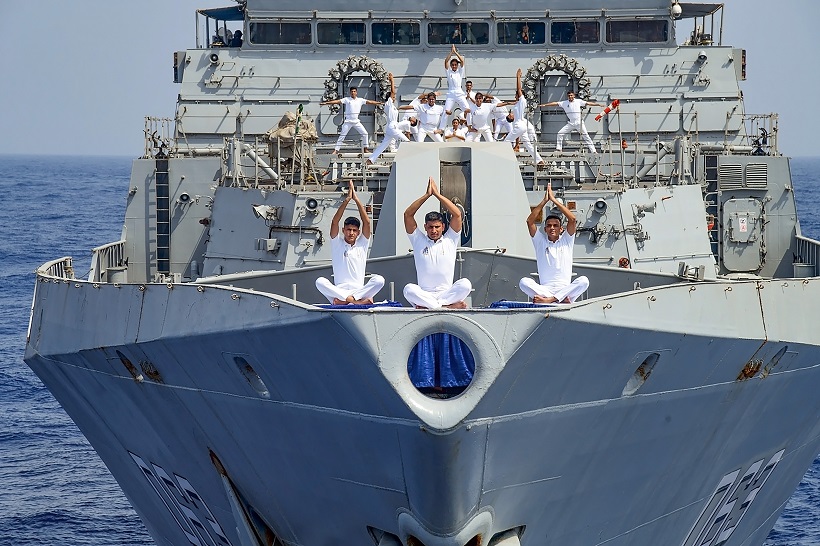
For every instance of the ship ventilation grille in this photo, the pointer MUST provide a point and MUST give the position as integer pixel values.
(730, 177)
(757, 176)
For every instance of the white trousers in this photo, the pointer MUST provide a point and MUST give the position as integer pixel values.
(475, 136)
(346, 127)
(424, 130)
(341, 292)
(451, 101)
(391, 136)
(501, 126)
(531, 288)
(420, 297)
(519, 130)
(582, 130)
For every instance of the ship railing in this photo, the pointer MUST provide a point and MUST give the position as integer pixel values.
(806, 257)
(108, 262)
(61, 268)
(761, 133)
(158, 137)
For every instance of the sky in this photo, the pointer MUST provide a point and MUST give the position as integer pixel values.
(89, 71)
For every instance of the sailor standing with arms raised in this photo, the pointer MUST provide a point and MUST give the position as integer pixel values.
(455, 94)
(519, 121)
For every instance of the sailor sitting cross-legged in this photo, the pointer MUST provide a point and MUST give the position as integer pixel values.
(434, 253)
(553, 254)
(349, 258)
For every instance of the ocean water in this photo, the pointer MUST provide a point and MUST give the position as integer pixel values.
(54, 490)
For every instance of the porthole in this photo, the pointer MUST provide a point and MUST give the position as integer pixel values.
(441, 365)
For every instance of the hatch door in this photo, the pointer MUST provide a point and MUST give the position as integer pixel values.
(743, 247)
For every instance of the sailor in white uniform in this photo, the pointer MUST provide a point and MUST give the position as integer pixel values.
(394, 129)
(478, 120)
(553, 254)
(572, 107)
(352, 107)
(500, 123)
(429, 115)
(349, 253)
(434, 253)
(518, 119)
(455, 94)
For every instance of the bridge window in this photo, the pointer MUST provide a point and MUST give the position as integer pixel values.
(521, 32)
(458, 33)
(637, 31)
(279, 33)
(575, 32)
(341, 33)
(396, 33)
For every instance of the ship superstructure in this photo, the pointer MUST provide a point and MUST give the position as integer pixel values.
(673, 404)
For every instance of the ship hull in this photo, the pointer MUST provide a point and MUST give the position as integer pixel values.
(561, 438)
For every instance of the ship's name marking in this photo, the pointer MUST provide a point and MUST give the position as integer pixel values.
(730, 501)
(184, 505)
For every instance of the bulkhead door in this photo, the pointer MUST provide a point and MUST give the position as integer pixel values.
(743, 245)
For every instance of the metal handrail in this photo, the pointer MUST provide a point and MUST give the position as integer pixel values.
(61, 268)
(105, 257)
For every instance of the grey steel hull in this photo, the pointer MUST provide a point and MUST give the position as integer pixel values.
(336, 442)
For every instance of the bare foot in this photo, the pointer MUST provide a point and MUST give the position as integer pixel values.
(420, 307)
(337, 301)
(335, 152)
(367, 150)
(365, 301)
(369, 162)
(542, 299)
(456, 305)
(566, 300)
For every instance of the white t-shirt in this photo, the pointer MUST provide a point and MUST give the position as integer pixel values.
(435, 260)
(353, 107)
(349, 261)
(573, 110)
(500, 112)
(391, 112)
(429, 115)
(479, 116)
(454, 79)
(520, 111)
(554, 259)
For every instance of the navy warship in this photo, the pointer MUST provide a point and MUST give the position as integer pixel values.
(674, 403)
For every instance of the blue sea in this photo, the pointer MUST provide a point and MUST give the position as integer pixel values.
(54, 490)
